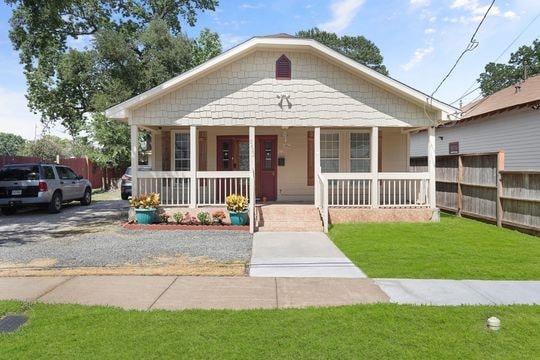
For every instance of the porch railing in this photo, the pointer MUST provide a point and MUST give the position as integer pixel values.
(173, 186)
(355, 190)
(212, 187)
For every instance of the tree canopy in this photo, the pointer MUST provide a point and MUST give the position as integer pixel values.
(357, 48)
(498, 76)
(10, 144)
(83, 56)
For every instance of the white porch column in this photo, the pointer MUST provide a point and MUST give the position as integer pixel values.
(374, 167)
(252, 179)
(431, 167)
(134, 160)
(317, 166)
(193, 166)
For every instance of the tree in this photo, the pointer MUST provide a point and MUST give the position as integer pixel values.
(130, 47)
(499, 76)
(47, 148)
(357, 48)
(10, 144)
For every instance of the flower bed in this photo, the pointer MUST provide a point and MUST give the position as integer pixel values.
(170, 226)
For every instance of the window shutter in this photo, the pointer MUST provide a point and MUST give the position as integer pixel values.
(310, 159)
(166, 150)
(203, 156)
(283, 68)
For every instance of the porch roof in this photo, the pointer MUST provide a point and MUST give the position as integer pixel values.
(445, 111)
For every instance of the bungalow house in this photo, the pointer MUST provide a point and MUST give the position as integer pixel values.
(507, 121)
(288, 121)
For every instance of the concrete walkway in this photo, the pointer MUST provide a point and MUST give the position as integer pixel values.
(299, 254)
(460, 292)
(184, 292)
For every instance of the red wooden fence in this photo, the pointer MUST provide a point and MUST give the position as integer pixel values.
(103, 178)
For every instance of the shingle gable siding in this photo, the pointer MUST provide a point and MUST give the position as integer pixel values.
(245, 93)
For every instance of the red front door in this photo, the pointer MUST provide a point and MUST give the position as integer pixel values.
(233, 155)
(266, 167)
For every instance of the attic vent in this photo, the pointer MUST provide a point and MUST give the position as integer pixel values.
(283, 68)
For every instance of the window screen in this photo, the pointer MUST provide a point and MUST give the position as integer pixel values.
(359, 152)
(181, 151)
(330, 152)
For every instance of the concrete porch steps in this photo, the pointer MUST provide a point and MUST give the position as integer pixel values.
(288, 217)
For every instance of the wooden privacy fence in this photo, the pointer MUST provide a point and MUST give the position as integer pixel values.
(100, 178)
(477, 185)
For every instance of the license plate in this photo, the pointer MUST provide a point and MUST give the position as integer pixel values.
(16, 192)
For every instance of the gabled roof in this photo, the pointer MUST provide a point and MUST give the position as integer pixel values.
(281, 42)
(518, 95)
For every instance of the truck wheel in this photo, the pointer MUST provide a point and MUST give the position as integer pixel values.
(56, 203)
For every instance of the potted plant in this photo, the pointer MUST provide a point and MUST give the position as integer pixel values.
(145, 206)
(237, 206)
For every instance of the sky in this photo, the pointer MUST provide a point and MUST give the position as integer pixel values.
(420, 40)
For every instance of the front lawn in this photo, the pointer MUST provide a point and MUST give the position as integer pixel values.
(455, 248)
(353, 332)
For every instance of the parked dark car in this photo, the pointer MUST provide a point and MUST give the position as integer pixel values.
(41, 184)
(125, 186)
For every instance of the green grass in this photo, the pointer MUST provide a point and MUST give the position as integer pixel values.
(455, 248)
(352, 332)
(99, 195)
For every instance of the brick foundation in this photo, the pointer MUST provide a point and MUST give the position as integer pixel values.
(339, 216)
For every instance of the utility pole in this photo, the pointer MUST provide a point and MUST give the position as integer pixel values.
(525, 70)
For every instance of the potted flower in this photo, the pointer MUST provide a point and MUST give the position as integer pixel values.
(145, 207)
(218, 216)
(237, 205)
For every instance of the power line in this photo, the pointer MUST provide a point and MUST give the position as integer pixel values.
(467, 92)
(473, 44)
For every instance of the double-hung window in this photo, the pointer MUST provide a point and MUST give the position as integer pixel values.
(181, 151)
(330, 152)
(359, 152)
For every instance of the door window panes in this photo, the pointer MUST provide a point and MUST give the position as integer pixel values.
(243, 155)
(181, 151)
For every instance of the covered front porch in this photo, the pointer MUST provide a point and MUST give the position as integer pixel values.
(342, 172)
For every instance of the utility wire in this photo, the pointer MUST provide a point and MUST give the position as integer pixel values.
(467, 92)
(473, 44)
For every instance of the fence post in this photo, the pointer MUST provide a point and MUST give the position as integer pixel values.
(500, 167)
(459, 188)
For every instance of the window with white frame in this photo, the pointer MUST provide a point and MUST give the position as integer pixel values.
(359, 152)
(330, 152)
(181, 151)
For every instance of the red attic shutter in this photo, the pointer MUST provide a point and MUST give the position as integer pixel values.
(283, 68)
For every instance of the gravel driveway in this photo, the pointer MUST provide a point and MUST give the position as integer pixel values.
(92, 237)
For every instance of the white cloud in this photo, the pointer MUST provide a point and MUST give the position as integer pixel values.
(343, 12)
(16, 118)
(419, 3)
(430, 31)
(475, 11)
(419, 54)
(510, 14)
(229, 40)
(252, 6)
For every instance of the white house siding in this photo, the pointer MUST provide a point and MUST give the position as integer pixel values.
(245, 93)
(516, 133)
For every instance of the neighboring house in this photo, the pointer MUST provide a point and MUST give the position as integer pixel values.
(507, 121)
(289, 120)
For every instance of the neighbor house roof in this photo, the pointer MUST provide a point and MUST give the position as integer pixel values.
(282, 42)
(522, 94)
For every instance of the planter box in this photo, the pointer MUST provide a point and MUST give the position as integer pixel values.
(145, 216)
(238, 218)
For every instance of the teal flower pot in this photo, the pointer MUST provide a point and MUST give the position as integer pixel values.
(238, 218)
(145, 216)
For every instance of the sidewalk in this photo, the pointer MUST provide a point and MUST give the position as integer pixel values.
(299, 255)
(184, 292)
(460, 292)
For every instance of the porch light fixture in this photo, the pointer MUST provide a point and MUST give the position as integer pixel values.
(285, 97)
